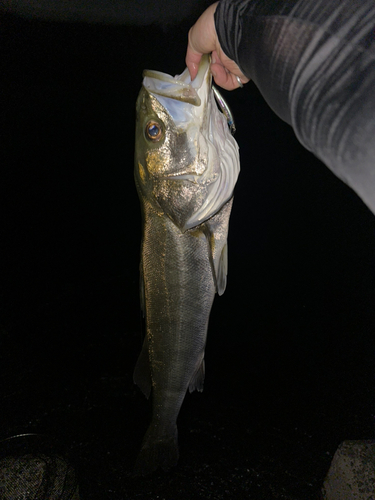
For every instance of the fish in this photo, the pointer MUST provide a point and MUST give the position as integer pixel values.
(186, 167)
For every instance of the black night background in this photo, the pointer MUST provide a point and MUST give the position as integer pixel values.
(291, 346)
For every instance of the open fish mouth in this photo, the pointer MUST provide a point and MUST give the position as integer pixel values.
(181, 88)
(185, 101)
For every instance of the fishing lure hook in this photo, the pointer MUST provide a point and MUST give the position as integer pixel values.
(225, 109)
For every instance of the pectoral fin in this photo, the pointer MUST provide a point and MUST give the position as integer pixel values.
(222, 270)
(142, 371)
(217, 233)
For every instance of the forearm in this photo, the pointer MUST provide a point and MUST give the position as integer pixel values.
(314, 63)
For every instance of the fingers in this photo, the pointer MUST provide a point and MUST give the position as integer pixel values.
(192, 58)
(224, 79)
(202, 39)
(225, 74)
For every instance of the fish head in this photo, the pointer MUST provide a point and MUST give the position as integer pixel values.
(186, 160)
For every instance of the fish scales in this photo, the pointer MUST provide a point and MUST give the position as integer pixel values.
(179, 291)
(185, 183)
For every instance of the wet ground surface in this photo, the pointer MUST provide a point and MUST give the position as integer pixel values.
(290, 354)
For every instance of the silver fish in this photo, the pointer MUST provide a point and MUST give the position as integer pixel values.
(186, 167)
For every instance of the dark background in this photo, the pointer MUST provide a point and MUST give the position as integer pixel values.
(290, 354)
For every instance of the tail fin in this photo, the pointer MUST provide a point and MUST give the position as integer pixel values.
(157, 452)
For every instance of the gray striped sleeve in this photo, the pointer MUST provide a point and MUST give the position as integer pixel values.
(314, 63)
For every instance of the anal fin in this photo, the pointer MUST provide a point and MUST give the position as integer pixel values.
(197, 380)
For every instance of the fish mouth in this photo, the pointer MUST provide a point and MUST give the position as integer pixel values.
(181, 87)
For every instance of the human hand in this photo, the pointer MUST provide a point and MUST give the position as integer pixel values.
(203, 40)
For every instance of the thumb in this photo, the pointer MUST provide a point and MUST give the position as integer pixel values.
(202, 39)
(193, 58)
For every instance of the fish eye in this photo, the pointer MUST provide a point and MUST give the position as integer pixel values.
(154, 130)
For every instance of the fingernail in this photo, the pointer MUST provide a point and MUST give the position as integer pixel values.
(214, 73)
(213, 60)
